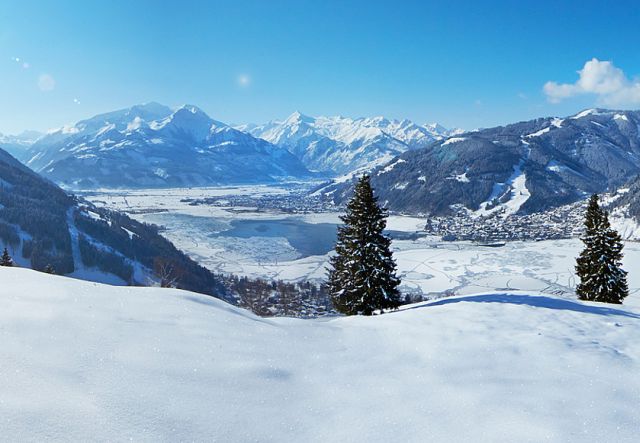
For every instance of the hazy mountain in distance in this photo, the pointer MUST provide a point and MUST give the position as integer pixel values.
(17, 145)
(339, 145)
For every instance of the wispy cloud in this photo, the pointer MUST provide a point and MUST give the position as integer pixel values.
(602, 79)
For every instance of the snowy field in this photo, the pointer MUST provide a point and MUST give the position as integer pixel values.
(82, 361)
(426, 265)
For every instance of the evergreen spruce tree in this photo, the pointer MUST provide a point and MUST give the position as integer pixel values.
(362, 277)
(599, 265)
(6, 259)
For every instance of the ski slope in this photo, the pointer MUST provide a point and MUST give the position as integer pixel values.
(82, 361)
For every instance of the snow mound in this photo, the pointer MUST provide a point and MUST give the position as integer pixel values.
(82, 361)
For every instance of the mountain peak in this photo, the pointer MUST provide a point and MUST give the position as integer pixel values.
(146, 111)
(151, 108)
(192, 109)
(25, 137)
(298, 117)
(435, 127)
(378, 120)
(188, 119)
(29, 135)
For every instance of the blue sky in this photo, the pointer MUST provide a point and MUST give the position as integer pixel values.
(466, 64)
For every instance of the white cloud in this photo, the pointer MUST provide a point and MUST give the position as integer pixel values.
(46, 82)
(607, 83)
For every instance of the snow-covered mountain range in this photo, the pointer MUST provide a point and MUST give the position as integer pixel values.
(152, 145)
(523, 167)
(17, 145)
(340, 145)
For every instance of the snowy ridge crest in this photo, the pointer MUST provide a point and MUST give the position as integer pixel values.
(152, 145)
(341, 145)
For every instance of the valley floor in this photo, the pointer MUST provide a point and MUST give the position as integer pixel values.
(427, 265)
(82, 361)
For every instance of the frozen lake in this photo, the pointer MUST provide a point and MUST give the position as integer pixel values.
(260, 239)
(306, 238)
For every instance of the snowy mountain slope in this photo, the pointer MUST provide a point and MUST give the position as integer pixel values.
(524, 167)
(439, 132)
(341, 145)
(627, 199)
(624, 208)
(42, 225)
(83, 361)
(153, 146)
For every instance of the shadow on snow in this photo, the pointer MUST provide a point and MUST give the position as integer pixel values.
(537, 301)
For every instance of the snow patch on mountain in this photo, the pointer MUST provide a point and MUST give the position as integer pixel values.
(453, 140)
(507, 198)
(538, 133)
(586, 113)
(462, 178)
(620, 117)
(390, 167)
(553, 123)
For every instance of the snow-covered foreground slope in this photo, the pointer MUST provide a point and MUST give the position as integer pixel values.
(81, 361)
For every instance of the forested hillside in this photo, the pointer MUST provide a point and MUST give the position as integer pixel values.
(44, 227)
(525, 167)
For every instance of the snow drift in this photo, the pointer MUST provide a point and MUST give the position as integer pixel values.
(84, 361)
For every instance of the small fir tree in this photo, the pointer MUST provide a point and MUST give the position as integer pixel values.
(6, 259)
(362, 276)
(599, 265)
